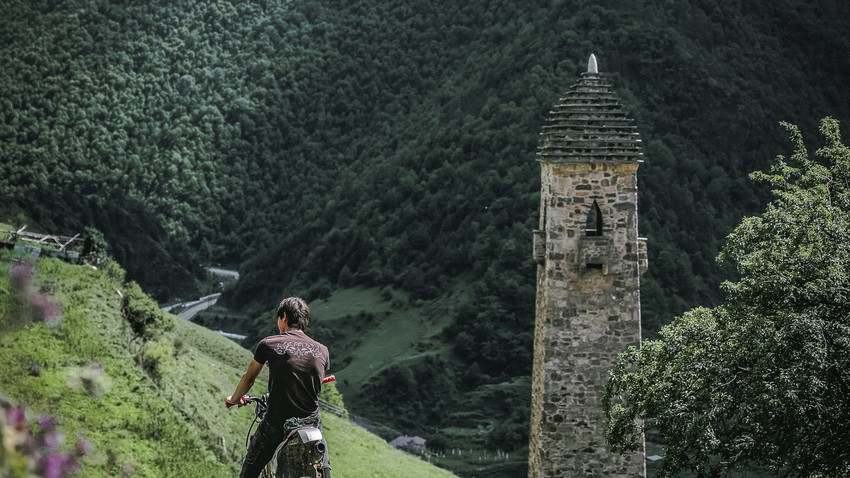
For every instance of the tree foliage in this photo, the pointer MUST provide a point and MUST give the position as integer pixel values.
(765, 378)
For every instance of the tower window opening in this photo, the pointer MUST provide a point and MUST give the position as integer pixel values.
(593, 226)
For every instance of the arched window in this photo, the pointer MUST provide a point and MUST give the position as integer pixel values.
(593, 227)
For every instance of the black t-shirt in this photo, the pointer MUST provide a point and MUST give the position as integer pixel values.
(297, 365)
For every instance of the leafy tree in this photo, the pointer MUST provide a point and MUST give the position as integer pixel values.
(94, 245)
(765, 378)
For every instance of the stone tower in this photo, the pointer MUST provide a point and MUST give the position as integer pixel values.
(589, 260)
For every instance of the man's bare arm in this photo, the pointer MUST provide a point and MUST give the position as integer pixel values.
(245, 383)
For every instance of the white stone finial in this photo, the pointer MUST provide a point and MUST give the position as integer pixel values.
(592, 67)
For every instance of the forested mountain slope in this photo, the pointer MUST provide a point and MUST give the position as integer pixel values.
(327, 145)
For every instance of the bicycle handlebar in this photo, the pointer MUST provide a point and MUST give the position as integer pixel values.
(248, 399)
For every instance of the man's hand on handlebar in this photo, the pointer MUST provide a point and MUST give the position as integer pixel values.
(228, 402)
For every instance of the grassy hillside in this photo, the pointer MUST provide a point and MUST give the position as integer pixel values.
(395, 333)
(144, 388)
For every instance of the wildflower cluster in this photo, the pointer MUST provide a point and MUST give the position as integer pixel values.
(33, 304)
(35, 447)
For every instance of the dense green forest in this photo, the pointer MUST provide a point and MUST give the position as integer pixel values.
(320, 146)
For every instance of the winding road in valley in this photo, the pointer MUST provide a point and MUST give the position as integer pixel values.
(192, 307)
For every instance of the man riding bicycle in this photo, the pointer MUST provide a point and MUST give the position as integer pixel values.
(297, 366)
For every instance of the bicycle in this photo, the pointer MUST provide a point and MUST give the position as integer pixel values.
(301, 452)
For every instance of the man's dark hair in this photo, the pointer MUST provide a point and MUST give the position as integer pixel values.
(296, 310)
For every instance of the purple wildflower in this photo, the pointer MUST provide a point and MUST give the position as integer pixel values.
(52, 440)
(18, 417)
(71, 466)
(46, 422)
(21, 275)
(84, 447)
(55, 465)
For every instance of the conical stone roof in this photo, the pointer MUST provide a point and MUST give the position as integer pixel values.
(589, 125)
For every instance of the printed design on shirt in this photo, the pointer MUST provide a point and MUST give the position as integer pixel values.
(298, 349)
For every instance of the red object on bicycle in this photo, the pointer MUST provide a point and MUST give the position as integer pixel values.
(241, 402)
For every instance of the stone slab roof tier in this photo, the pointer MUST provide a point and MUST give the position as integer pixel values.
(589, 125)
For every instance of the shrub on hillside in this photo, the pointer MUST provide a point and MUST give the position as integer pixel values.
(95, 246)
(154, 354)
(113, 270)
(143, 314)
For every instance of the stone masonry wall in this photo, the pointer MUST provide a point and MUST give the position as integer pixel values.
(588, 311)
